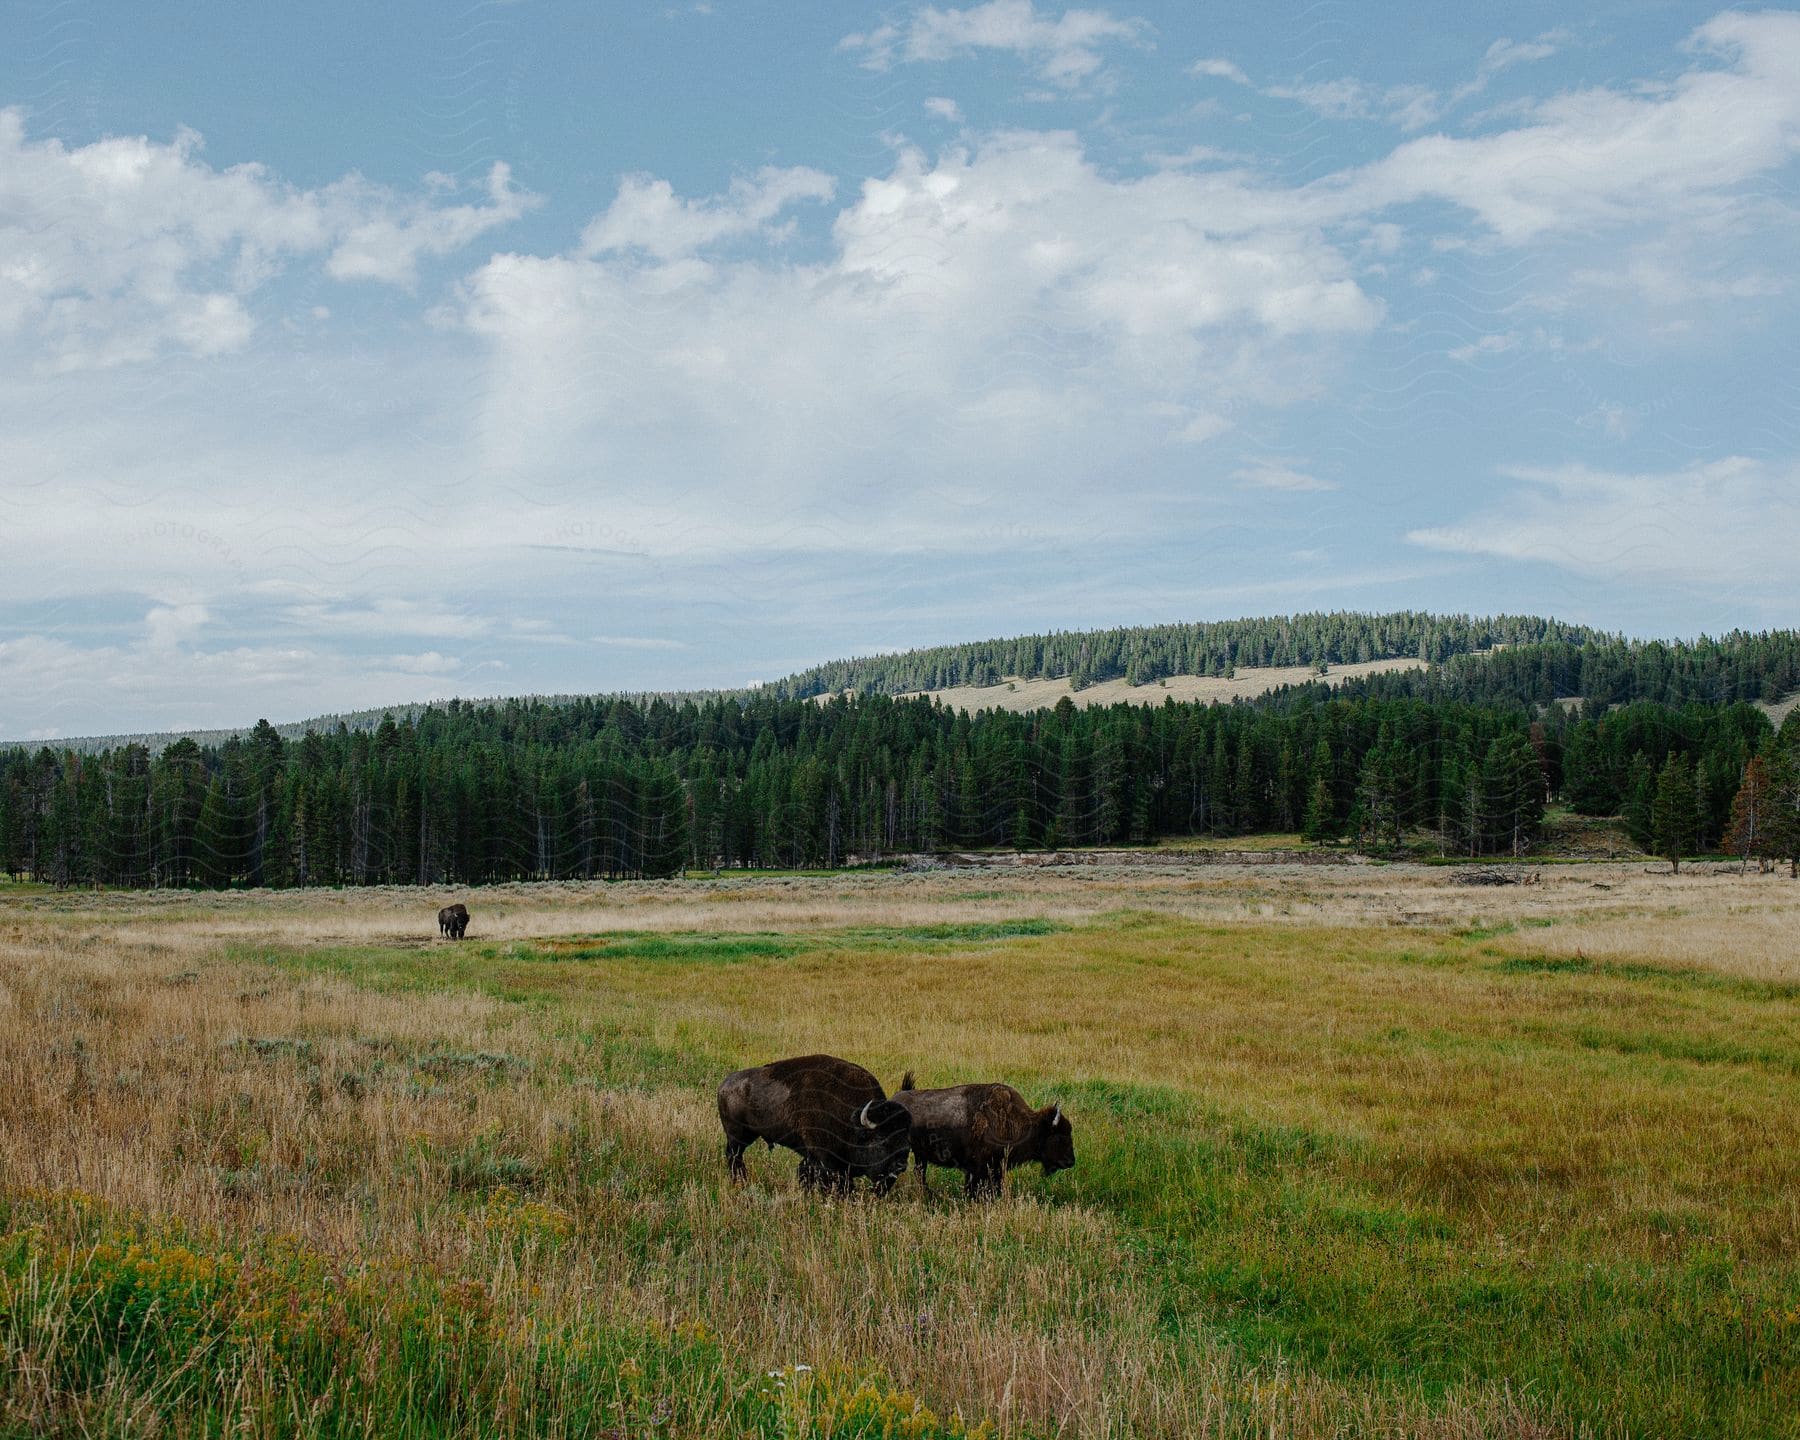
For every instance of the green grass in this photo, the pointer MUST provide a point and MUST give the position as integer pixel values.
(153, 1326)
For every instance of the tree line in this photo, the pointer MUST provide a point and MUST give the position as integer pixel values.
(473, 793)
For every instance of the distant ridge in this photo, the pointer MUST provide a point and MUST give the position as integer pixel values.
(1141, 654)
(352, 720)
(1517, 659)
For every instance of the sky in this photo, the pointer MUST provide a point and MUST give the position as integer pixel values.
(357, 355)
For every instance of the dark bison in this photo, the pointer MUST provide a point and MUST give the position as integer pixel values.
(453, 920)
(983, 1131)
(831, 1113)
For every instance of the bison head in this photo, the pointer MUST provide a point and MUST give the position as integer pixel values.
(1056, 1140)
(883, 1143)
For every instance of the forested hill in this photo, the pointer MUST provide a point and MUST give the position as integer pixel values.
(1514, 660)
(1144, 654)
(1604, 672)
(1500, 660)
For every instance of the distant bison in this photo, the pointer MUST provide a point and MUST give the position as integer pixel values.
(983, 1131)
(829, 1112)
(453, 920)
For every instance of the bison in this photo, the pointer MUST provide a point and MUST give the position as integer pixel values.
(831, 1113)
(453, 920)
(983, 1131)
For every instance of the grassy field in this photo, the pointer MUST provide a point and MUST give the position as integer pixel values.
(1361, 1152)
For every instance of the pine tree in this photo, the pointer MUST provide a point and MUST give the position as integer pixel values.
(1377, 818)
(215, 838)
(1784, 795)
(1747, 834)
(1320, 821)
(1640, 798)
(1512, 786)
(1675, 813)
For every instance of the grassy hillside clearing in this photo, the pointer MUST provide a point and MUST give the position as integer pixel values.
(1246, 684)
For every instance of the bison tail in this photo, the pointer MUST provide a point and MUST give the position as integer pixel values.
(906, 1081)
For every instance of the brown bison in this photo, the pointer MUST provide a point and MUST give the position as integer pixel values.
(831, 1113)
(983, 1131)
(453, 920)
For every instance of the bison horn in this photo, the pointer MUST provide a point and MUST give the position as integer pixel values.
(862, 1116)
(1056, 1119)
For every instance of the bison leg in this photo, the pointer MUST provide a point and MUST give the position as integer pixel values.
(924, 1170)
(736, 1142)
(983, 1182)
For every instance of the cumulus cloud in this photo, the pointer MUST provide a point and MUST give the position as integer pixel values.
(1066, 51)
(387, 245)
(1002, 301)
(167, 626)
(128, 248)
(1732, 522)
(647, 215)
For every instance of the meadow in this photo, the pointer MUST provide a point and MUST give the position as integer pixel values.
(1360, 1152)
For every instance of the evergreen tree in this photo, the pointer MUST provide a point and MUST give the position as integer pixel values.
(1784, 795)
(1512, 795)
(1747, 834)
(1675, 814)
(1640, 798)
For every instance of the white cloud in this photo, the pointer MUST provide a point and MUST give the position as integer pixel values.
(1219, 69)
(1003, 305)
(1411, 106)
(1352, 99)
(944, 108)
(69, 684)
(1281, 477)
(1066, 50)
(1202, 427)
(647, 215)
(167, 626)
(1602, 158)
(1733, 523)
(388, 615)
(427, 662)
(387, 245)
(1487, 345)
(637, 642)
(125, 249)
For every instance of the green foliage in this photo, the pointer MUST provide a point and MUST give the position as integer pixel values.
(1675, 813)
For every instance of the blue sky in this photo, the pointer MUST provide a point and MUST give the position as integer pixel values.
(353, 356)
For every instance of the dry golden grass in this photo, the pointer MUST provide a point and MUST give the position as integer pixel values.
(1324, 1115)
(1709, 915)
